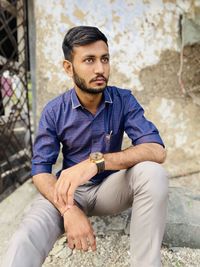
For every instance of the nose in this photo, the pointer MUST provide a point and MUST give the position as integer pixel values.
(99, 68)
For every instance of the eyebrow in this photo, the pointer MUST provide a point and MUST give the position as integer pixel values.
(92, 56)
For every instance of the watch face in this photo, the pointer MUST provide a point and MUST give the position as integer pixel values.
(96, 156)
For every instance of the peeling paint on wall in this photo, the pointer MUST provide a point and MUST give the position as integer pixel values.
(142, 30)
(144, 41)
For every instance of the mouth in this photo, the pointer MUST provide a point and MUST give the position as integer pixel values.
(99, 80)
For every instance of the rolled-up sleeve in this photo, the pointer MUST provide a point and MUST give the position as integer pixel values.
(46, 146)
(137, 127)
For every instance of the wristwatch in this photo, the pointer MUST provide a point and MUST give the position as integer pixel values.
(98, 159)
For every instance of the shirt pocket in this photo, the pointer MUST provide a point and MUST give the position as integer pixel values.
(113, 142)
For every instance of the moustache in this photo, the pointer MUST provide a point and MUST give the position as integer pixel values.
(99, 78)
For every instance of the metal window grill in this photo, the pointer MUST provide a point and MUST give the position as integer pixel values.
(15, 130)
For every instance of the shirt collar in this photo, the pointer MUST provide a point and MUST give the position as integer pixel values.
(107, 96)
(76, 103)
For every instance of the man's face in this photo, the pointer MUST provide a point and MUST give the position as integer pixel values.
(91, 67)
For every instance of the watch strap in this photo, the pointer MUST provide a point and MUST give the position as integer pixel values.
(100, 166)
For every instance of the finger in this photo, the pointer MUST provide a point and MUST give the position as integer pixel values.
(78, 245)
(70, 195)
(55, 198)
(61, 199)
(84, 244)
(58, 187)
(92, 241)
(70, 242)
(63, 189)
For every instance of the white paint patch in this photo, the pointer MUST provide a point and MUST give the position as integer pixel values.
(166, 110)
(180, 139)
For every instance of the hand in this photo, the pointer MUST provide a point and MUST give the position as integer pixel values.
(79, 231)
(70, 179)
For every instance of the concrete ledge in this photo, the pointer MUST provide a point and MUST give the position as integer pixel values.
(11, 210)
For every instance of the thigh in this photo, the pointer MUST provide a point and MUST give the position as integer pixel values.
(113, 195)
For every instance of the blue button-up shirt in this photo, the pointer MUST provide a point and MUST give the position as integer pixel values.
(64, 121)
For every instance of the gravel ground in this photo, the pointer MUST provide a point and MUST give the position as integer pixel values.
(113, 251)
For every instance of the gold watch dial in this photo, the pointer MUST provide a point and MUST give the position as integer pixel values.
(96, 156)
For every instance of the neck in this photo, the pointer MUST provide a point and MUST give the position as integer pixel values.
(90, 101)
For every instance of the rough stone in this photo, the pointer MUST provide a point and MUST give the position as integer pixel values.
(183, 223)
(110, 224)
(183, 220)
(191, 28)
(64, 253)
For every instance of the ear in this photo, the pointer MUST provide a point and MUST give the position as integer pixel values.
(68, 68)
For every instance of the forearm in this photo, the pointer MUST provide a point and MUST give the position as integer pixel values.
(45, 183)
(133, 155)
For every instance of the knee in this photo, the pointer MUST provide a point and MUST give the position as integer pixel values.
(22, 246)
(21, 238)
(151, 178)
(25, 242)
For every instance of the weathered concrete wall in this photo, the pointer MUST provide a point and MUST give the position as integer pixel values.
(145, 45)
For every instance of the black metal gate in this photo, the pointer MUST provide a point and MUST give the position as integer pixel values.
(15, 131)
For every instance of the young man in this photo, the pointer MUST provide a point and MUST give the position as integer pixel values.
(97, 177)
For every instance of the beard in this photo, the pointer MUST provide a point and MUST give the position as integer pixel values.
(81, 84)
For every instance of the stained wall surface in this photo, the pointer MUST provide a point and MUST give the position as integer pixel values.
(147, 56)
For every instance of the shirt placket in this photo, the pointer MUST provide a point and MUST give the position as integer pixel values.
(97, 131)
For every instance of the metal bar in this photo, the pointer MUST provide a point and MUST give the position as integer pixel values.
(8, 7)
(15, 118)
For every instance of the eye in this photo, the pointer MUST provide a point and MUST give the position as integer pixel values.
(105, 59)
(89, 60)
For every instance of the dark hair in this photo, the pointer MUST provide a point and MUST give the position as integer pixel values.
(78, 36)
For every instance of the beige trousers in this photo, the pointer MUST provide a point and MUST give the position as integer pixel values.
(143, 187)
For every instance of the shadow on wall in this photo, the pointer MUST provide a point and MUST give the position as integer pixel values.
(162, 79)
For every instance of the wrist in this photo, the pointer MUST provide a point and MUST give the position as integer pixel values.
(66, 210)
(91, 167)
(98, 159)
